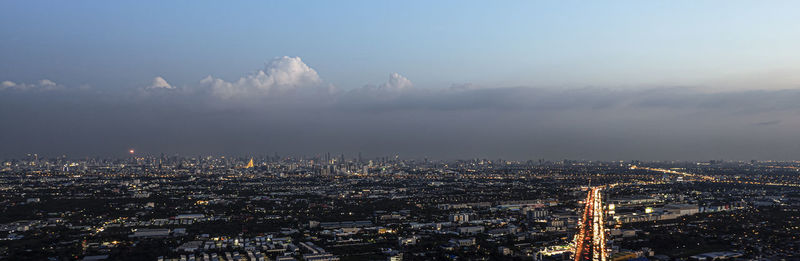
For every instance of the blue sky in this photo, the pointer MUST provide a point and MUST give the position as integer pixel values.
(110, 44)
(609, 80)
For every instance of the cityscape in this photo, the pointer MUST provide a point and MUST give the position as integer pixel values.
(352, 130)
(330, 207)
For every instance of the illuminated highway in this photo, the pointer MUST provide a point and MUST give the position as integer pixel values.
(707, 178)
(669, 171)
(590, 242)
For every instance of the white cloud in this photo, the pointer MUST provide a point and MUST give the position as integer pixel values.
(280, 76)
(8, 84)
(396, 83)
(160, 83)
(44, 84)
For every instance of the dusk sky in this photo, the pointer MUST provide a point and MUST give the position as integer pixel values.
(605, 80)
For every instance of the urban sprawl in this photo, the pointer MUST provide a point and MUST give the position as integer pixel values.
(157, 207)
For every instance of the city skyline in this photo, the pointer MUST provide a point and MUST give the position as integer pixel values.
(333, 208)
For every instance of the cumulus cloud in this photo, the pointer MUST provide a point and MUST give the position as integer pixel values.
(282, 75)
(43, 85)
(46, 83)
(160, 83)
(396, 83)
(382, 94)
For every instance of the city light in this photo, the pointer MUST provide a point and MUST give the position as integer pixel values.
(590, 242)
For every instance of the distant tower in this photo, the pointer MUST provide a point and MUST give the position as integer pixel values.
(590, 242)
(133, 156)
(249, 164)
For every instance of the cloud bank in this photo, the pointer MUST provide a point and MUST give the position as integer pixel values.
(288, 108)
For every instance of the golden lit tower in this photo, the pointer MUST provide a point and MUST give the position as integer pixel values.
(249, 164)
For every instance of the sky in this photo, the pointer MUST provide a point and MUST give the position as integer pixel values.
(618, 80)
